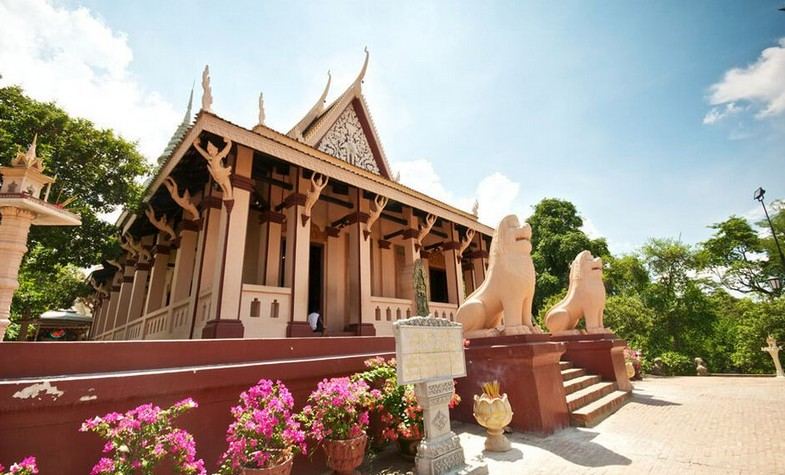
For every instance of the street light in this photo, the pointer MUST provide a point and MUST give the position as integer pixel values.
(758, 196)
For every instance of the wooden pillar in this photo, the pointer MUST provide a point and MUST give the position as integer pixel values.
(124, 300)
(298, 250)
(228, 275)
(452, 264)
(185, 260)
(479, 258)
(156, 295)
(387, 266)
(114, 298)
(360, 307)
(139, 287)
(411, 254)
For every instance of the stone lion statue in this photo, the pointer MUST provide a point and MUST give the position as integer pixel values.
(508, 288)
(585, 298)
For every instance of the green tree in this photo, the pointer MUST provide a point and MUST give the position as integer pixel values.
(625, 275)
(736, 256)
(556, 239)
(98, 168)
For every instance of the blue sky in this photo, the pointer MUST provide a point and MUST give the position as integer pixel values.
(655, 119)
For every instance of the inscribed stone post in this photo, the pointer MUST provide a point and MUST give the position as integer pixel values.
(429, 354)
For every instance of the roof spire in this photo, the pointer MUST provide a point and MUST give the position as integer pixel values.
(297, 130)
(358, 82)
(207, 90)
(179, 133)
(261, 109)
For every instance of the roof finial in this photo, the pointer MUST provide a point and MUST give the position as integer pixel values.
(358, 82)
(299, 128)
(187, 117)
(28, 159)
(207, 91)
(476, 208)
(261, 109)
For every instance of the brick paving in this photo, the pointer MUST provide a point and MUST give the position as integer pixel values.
(710, 425)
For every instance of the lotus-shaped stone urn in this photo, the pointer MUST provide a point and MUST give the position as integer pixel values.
(492, 411)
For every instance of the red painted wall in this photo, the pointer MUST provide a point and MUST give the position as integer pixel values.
(93, 378)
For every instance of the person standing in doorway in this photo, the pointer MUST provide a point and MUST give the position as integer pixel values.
(315, 322)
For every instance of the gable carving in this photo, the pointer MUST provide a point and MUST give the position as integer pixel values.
(347, 141)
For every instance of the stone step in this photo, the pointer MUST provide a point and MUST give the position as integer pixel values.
(568, 374)
(565, 364)
(587, 395)
(580, 382)
(593, 413)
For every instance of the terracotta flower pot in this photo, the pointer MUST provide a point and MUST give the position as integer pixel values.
(344, 456)
(284, 468)
(408, 447)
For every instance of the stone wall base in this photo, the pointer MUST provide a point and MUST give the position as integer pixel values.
(223, 329)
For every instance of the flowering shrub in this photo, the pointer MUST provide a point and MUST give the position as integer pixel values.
(264, 432)
(27, 466)
(400, 412)
(634, 356)
(142, 437)
(338, 409)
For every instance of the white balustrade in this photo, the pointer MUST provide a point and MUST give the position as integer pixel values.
(265, 310)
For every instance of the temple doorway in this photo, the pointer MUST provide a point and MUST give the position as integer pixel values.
(438, 287)
(316, 280)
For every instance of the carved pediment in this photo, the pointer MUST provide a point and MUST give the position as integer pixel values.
(346, 140)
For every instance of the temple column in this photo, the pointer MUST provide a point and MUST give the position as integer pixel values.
(228, 274)
(360, 308)
(156, 291)
(114, 297)
(139, 288)
(298, 244)
(124, 299)
(387, 268)
(185, 261)
(452, 264)
(479, 259)
(272, 245)
(411, 253)
(14, 227)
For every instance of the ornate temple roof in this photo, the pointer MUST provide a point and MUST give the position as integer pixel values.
(345, 128)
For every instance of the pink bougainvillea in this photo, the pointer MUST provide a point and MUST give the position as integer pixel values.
(264, 432)
(142, 437)
(337, 409)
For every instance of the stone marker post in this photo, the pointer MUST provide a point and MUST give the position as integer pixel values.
(774, 351)
(429, 354)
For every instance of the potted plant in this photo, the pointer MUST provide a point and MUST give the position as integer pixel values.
(380, 376)
(27, 466)
(336, 417)
(142, 437)
(264, 437)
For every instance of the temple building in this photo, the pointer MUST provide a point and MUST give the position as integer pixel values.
(244, 232)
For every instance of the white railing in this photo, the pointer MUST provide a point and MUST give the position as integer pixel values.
(265, 310)
(155, 327)
(203, 312)
(443, 310)
(180, 319)
(134, 329)
(387, 310)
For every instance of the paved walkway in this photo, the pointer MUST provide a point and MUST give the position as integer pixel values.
(711, 425)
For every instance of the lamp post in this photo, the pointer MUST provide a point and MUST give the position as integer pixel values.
(775, 283)
(759, 193)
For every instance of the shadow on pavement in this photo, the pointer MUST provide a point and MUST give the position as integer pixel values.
(577, 447)
(651, 400)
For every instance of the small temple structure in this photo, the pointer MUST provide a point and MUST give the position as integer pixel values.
(244, 232)
(22, 205)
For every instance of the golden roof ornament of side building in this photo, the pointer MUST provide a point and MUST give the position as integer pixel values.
(28, 158)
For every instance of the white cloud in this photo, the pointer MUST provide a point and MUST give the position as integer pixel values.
(496, 193)
(762, 83)
(73, 58)
(590, 229)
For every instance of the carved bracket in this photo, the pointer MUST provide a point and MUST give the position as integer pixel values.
(318, 182)
(424, 229)
(467, 239)
(184, 200)
(215, 165)
(376, 210)
(161, 224)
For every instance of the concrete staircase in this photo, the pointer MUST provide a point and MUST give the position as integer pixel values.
(589, 399)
